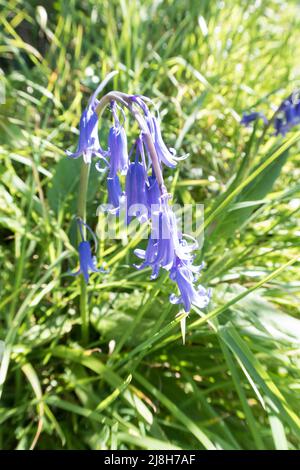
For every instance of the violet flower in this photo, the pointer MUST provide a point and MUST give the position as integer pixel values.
(189, 294)
(135, 187)
(248, 118)
(165, 155)
(88, 143)
(87, 262)
(161, 249)
(285, 118)
(114, 191)
(288, 114)
(117, 144)
(168, 249)
(152, 194)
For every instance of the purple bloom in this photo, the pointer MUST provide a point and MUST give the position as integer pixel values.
(279, 126)
(88, 144)
(139, 100)
(153, 195)
(164, 154)
(87, 262)
(165, 243)
(248, 118)
(117, 143)
(160, 252)
(167, 249)
(189, 294)
(149, 256)
(114, 191)
(286, 117)
(290, 100)
(136, 185)
(288, 114)
(136, 192)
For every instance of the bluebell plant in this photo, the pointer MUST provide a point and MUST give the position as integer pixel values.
(144, 189)
(286, 116)
(87, 262)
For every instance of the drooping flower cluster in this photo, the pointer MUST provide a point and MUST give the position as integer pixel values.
(285, 118)
(144, 193)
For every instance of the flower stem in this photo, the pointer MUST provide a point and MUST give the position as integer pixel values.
(81, 212)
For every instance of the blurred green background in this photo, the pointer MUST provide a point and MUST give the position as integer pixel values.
(235, 384)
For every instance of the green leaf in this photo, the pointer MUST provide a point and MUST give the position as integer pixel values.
(260, 377)
(251, 196)
(177, 413)
(62, 191)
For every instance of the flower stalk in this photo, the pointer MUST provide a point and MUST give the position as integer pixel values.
(81, 213)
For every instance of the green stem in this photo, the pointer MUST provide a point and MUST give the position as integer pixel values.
(83, 187)
(81, 212)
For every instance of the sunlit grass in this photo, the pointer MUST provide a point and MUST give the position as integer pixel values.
(235, 384)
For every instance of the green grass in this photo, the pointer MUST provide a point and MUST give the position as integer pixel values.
(235, 383)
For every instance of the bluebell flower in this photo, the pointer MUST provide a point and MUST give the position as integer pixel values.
(279, 126)
(117, 145)
(168, 249)
(136, 192)
(165, 242)
(189, 294)
(149, 256)
(290, 100)
(160, 251)
(288, 114)
(87, 262)
(140, 101)
(248, 118)
(153, 194)
(114, 191)
(285, 118)
(135, 187)
(165, 155)
(88, 143)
